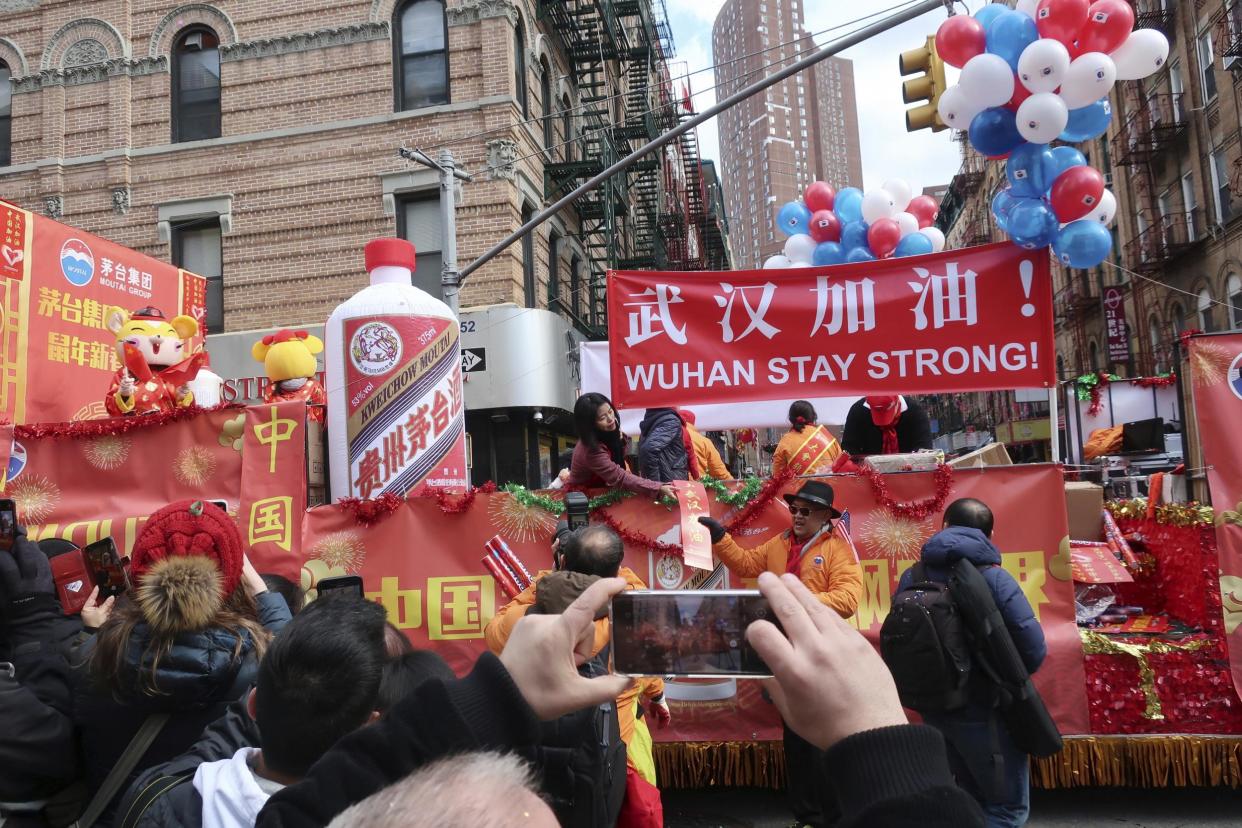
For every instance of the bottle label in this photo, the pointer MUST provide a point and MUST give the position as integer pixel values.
(406, 417)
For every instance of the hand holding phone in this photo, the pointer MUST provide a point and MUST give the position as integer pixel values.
(341, 586)
(8, 525)
(107, 568)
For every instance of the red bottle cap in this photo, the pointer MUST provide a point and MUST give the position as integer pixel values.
(390, 253)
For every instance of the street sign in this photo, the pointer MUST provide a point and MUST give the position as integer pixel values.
(473, 359)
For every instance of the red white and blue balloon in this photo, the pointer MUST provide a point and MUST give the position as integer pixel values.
(1040, 73)
(828, 227)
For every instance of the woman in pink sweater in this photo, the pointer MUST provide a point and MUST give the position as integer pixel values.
(599, 457)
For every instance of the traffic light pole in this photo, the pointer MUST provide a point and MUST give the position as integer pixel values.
(789, 71)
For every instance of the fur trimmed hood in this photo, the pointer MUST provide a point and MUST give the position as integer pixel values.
(181, 594)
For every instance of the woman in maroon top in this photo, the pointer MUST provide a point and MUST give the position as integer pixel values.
(599, 457)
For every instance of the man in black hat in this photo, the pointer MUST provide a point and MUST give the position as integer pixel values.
(825, 560)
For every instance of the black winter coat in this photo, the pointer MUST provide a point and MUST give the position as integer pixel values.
(199, 678)
(862, 436)
(661, 448)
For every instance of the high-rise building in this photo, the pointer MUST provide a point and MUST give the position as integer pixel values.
(798, 131)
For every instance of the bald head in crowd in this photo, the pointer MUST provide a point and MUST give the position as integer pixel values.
(474, 790)
(971, 513)
(594, 550)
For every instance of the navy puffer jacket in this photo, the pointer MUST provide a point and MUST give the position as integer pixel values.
(197, 679)
(955, 543)
(661, 449)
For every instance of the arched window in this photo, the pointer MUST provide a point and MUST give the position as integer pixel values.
(567, 130)
(519, 68)
(1093, 352)
(1233, 287)
(1178, 317)
(196, 85)
(420, 64)
(555, 303)
(6, 123)
(1156, 338)
(575, 287)
(1207, 311)
(546, 104)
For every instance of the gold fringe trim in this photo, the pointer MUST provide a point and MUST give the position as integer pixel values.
(720, 764)
(1086, 761)
(1142, 762)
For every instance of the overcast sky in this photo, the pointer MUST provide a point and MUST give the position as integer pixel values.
(923, 158)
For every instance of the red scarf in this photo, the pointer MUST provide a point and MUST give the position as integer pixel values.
(794, 563)
(888, 434)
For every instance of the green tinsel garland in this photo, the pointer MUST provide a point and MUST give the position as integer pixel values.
(751, 487)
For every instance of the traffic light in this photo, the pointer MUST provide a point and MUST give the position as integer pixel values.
(929, 86)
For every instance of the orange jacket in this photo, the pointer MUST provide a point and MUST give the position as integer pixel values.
(707, 455)
(501, 626)
(829, 566)
(792, 441)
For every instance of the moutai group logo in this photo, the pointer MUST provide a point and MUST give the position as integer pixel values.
(375, 348)
(77, 262)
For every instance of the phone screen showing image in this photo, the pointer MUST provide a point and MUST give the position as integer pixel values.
(8, 524)
(106, 568)
(341, 586)
(694, 633)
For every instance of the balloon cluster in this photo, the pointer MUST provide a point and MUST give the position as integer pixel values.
(1035, 74)
(828, 228)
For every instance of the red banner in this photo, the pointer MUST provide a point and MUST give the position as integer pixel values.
(57, 285)
(969, 320)
(1216, 377)
(272, 501)
(443, 596)
(1115, 328)
(90, 480)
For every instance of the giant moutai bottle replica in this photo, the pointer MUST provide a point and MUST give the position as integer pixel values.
(396, 417)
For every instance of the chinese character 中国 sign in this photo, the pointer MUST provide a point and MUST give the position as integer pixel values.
(977, 319)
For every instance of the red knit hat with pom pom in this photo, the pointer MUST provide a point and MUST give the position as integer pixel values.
(190, 528)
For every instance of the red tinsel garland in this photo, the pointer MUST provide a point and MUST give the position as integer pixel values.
(1097, 403)
(918, 510)
(371, 511)
(452, 504)
(111, 426)
(1156, 382)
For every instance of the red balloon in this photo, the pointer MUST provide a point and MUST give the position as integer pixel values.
(825, 226)
(882, 237)
(1076, 192)
(1109, 23)
(1061, 19)
(1020, 94)
(819, 195)
(924, 208)
(960, 38)
(926, 223)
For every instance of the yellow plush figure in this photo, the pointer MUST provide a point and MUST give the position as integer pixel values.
(156, 363)
(288, 359)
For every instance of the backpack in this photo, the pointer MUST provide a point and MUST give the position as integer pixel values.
(580, 760)
(926, 645)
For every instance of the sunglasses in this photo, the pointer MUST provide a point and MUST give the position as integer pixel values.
(802, 510)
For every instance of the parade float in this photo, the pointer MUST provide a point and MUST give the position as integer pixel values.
(864, 300)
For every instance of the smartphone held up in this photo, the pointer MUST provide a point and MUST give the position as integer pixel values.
(107, 568)
(8, 525)
(689, 633)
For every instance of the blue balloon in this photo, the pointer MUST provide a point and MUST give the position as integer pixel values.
(1009, 33)
(989, 13)
(994, 132)
(1027, 170)
(862, 254)
(794, 218)
(913, 244)
(1032, 224)
(1062, 159)
(854, 234)
(1083, 243)
(1002, 203)
(848, 205)
(1088, 122)
(828, 253)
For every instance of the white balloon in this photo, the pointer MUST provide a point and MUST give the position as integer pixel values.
(937, 237)
(1089, 78)
(987, 80)
(1042, 117)
(877, 204)
(908, 223)
(800, 247)
(1028, 7)
(1144, 51)
(900, 190)
(1106, 209)
(1043, 65)
(777, 262)
(956, 108)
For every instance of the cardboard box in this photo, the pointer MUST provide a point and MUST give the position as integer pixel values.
(1084, 504)
(914, 461)
(993, 454)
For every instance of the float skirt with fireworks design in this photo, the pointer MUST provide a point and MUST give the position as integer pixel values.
(93, 479)
(1216, 377)
(57, 285)
(437, 591)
